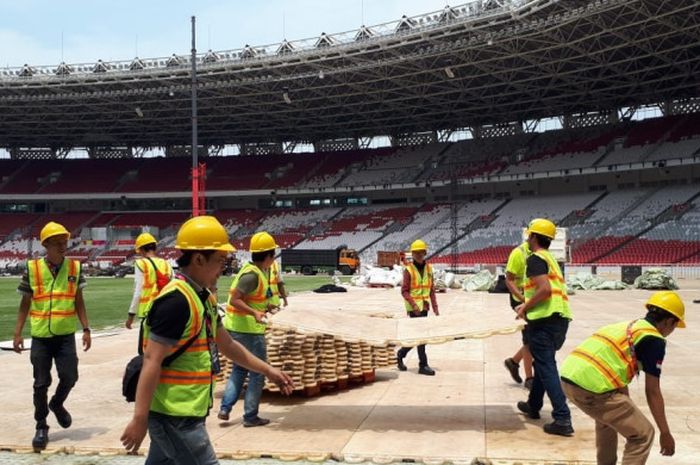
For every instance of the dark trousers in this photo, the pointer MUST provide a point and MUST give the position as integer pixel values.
(422, 357)
(546, 338)
(43, 353)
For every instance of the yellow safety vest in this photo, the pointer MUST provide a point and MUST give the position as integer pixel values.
(558, 301)
(52, 309)
(186, 386)
(239, 320)
(274, 284)
(149, 291)
(517, 262)
(604, 361)
(420, 286)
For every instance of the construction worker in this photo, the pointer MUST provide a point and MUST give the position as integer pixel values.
(596, 374)
(151, 274)
(249, 301)
(52, 297)
(546, 310)
(172, 401)
(279, 293)
(418, 292)
(515, 281)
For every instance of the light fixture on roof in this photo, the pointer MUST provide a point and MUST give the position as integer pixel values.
(448, 71)
(139, 112)
(285, 96)
(321, 75)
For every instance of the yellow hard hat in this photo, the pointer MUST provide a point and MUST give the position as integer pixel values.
(144, 239)
(542, 227)
(203, 233)
(418, 245)
(53, 229)
(262, 242)
(669, 301)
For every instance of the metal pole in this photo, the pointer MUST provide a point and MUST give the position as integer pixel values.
(195, 167)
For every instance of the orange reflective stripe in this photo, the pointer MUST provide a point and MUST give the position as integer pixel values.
(618, 350)
(602, 369)
(195, 313)
(185, 377)
(72, 273)
(54, 297)
(39, 278)
(47, 315)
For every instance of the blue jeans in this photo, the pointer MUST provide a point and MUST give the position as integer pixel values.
(545, 340)
(179, 441)
(255, 343)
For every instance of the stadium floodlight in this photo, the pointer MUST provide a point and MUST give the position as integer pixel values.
(321, 75)
(139, 112)
(448, 71)
(285, 96)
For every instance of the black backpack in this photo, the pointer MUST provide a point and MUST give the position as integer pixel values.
(133, 369)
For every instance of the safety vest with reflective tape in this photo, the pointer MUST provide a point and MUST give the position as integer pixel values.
(520, 277)
(274, 284)
(604, 361)
(558, 301)
(52, 309)
(420, 286)
(239, 320)
(149, 291)
(186, 386)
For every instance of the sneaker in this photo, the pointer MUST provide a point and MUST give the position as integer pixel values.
(513, 369)
(524, 407)
(426, 370)
(257, 421)
(559, 427)
(41, 438)
(400, 364)
(62, 416)
(528, 383)
(223, 415)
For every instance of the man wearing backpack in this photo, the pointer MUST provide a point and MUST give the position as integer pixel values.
(151, 274)
(173, 401)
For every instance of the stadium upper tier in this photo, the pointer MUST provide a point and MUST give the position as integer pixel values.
(562, 151)
(479, 64)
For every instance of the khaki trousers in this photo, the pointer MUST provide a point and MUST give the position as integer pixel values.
(614, 413)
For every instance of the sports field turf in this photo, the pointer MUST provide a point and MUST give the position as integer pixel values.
(107, 299)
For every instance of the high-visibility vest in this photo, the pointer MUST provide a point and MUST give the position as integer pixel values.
(558, 301)
(149, 291)
(239, 320)
(604, 361)
(274, 284)
(52, 309)
(420, 286)
(520, 255)
(186, 386)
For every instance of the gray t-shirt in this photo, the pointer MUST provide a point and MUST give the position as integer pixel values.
(247, 283)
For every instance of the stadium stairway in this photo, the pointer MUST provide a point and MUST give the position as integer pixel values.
(479, 223)
(580, 216)
(13, 175)
(663, 139)
(669, 214)
(598, 232)
(433, 160)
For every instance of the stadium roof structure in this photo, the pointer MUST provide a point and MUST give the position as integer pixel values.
(483, 63)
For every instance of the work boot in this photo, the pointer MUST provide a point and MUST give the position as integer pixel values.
(426, 370)
(559, 427)
(400, 364)
(41, 438)
(223, 415)
(257, 421)
(513, 369)
(528, 383)
(527, 410)
(62, 415)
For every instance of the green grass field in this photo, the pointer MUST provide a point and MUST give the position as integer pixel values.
(107, 299)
